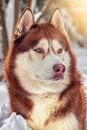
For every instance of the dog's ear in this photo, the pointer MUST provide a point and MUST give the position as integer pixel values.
(56, 20)
(24, 23)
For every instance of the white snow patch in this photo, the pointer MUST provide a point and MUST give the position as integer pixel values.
(14, 122)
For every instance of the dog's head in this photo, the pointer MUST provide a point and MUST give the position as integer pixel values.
(41, 52)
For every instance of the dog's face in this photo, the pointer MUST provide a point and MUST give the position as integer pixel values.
(42, 52)
(46, 61)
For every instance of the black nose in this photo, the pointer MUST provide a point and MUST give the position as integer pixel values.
(59, 68)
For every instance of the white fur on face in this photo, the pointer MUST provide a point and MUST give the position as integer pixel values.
(38, 70)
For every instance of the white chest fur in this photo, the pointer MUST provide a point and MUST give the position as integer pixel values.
(69, 122)
(44, 106)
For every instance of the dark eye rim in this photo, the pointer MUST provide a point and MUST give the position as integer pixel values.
(59, 50)
(39, 50)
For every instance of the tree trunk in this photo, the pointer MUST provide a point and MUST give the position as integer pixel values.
(16, 10)
(28, 3)
(3, 30)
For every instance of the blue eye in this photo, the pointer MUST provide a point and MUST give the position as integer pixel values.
(39, 50)
(59, 50)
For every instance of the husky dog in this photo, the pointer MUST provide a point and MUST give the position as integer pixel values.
(43, 82)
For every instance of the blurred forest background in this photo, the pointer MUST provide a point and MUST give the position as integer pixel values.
(74, 14)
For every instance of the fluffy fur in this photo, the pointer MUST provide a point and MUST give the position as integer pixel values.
(46, 102)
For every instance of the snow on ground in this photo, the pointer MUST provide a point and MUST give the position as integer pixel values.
(16, 122)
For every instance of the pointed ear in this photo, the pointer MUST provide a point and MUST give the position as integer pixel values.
(56, 20)
(25, 21)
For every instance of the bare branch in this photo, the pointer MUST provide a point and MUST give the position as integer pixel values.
(45, 9)
(16, 10)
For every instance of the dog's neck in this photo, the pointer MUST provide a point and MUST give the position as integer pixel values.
(40, 87)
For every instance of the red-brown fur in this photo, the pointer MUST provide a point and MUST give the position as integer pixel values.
(19, 98)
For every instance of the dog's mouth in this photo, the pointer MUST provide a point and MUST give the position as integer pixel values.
(56, 77)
